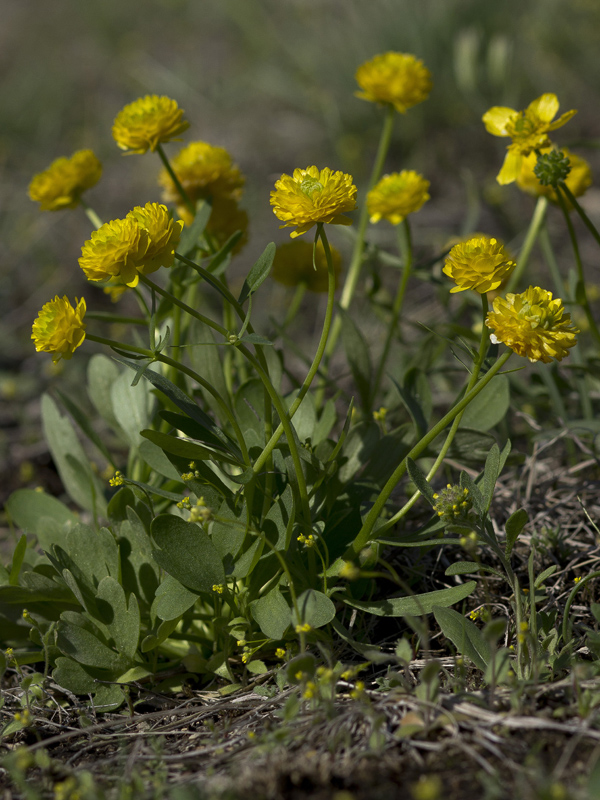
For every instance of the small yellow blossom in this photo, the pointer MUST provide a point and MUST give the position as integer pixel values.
(310, 690)
(204, 171)
(307, 541)
(578, 180)
(399, 79)
(452, 503)
(114, 251)
(62, 184)
(359, 690)
(380, 415)
(148, 122)
(397, 195)
(245, 658)
(533, 325)
(312, 195)
(115, 290)
(293, 265)
(59, 328)
(280, 653)
(577, 579)
(163, 236)
(218, 588)
(304, 628)
(117, 479)
(480, 263)
(350, 571)
(528, 130)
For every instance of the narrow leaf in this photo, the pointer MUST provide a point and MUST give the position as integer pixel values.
(258, 273)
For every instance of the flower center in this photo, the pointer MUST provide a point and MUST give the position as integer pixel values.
(311, 185)
(521, 126)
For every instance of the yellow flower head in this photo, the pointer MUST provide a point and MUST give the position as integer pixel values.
(578, 180)
(114, 251)
(533, 325)
(479, 263)
(62, 184)
(397, 195)
(293, 264)
(312, 195)
(527, 129)
(114, 289)
(204, 171)
(225, 219)
(148, 122)
(163, 236)
(59, 328)
(400, 79)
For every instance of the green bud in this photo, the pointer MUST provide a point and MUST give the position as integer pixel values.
(552, 168)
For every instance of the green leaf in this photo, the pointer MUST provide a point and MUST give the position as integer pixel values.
(315, 608)
(187, 553)
(414, 605)
(121, 619)
(206, 361)
(172, 599)
(464, 567)
(28, 509)
(513, 527)
(70, 459)
(257, 667)
(86, 648)
(102, 373)
(255, 338)
(184, 448)
(420, 481)
(490, 476)
(272, 614)
(466, 482)
(155, 457)
(17, 561)
(489, 407)
(83, 421)
(466, 637)
(190, 236)
(73, 677)
(132, 407)
(545, 575)
(416, 396)
(357, 353)
(258, 273)
(200, 433)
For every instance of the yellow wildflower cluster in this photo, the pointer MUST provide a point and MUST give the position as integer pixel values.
(293, 265)
(59, 328)
(578, 180)
(452, 503)
(117, 479)
(479, 263)
(533, 324)
(528, 131)
(398, 79)
(62, 184)
(303, 628)
(310, 196)
(123, 249)
(397, 195)
(218, 588)
(204, 171)
(148, 122)
(307, 541)
(280, 653)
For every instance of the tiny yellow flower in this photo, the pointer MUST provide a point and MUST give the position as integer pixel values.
(397, 195)
(527, 129)
(203, 170)
(280, 653)
(350, 571)
(578, 180)
(148, 122)
(59, 328)
(533, 325)
(399, 79)
(62, 184)
(117, 479)
(114, 251)
(163, 236)
(218, 588)
(577, 579)
(312, 195)
(480, 263)
(304, 628)
(293, 265)
(114, 290)
(310, 690)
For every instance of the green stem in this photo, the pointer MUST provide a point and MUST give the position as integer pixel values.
(566, 634)
(581, 294)
(294, 306)
(91, 214)
(586, 220)
(106, 316)
(359, 245)
(176, 301)
(405, 246)
(478, 363)
(314, 367)
(532, 234)
(364, 534)
(187, 371)
(548, 254)
(173, 175)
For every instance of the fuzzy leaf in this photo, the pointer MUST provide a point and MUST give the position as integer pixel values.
(414, 605)
(466, 637)
(187, 553)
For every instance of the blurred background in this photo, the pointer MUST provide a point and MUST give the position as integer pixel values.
(273, 82)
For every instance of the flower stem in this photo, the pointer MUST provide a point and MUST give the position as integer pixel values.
(587, 221)
(91, 214)
(478, 363)
(532, 233)
(581, 293)
(173, 175)
(175, 300)
(363, 537)
(359, 244)
(405, 246)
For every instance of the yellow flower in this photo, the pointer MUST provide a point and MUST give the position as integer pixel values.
(527, 129)
(59, 328)
(578, 180)
(204, 171)
(114, 289)
(226, 218)
(397, 195)
(62, 184)
(148, 122)
(293, 265)
(533, 325)
(400, 79)
(114, 252)
(480, 263)
(163, 236)
(312, 195)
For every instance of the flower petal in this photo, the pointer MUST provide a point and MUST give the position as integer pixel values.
(496, 118)
(511, 167)
(562, 120)
(544, 107)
